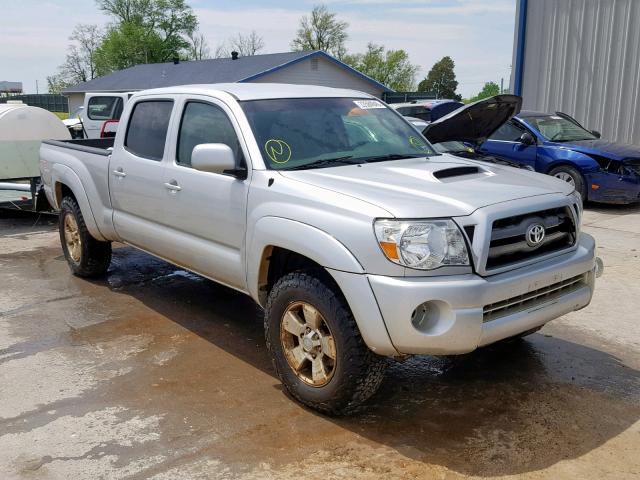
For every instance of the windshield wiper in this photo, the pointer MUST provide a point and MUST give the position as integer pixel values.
(392, 156)
(327, 162)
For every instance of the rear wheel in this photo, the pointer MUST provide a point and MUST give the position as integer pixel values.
(573, 177)
(86, 256)
(316, 347)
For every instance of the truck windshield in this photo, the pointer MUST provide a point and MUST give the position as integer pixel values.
(301, 133)
(558, 129)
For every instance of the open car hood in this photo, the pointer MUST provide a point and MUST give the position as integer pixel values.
(475, 122)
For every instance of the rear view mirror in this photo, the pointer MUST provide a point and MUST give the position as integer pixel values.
(213, 158)
(596, 133)
(527, 139)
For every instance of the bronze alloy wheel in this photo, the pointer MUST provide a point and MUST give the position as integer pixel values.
(72, 237)
(308, 344)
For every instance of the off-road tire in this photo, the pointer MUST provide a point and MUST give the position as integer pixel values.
(358, 371)
(95, 255)
(578, 179)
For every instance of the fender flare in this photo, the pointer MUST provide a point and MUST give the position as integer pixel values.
(63, 175)
(298, 237)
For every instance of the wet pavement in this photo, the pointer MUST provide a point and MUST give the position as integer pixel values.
(157, 373)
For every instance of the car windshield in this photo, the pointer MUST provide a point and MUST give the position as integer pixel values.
(300, 133)
(559, 129)
(452, 147)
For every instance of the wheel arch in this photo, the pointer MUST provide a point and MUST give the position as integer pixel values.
(66, 182)
(279, 245)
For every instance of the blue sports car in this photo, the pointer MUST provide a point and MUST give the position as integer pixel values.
(556, 144)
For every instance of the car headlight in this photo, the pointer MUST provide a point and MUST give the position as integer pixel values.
(423, 245)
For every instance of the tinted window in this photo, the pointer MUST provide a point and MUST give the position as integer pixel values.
(508, 132)
(104, 108)
(147, 131)
(204, 123)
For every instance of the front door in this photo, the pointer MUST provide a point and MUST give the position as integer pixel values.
(136, 176)
(505, 142)
(206, 211)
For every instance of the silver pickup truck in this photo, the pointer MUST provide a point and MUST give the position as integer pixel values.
(336, 216)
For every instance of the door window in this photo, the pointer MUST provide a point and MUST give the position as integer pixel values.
(147, 130)
(104, 108)
(204, 123)
(509, 132)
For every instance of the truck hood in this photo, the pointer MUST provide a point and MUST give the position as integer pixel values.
(475, 122)
(615, 151)
(441, 186)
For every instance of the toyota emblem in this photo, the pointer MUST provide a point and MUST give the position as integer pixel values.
(535, 234)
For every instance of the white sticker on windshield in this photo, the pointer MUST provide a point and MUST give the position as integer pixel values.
(367, 104)
(556, 117)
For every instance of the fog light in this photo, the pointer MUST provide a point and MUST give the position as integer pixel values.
(433, 317)
(423, 315)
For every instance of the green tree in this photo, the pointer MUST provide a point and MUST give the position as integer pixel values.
(321, 31)
(490, 89)
(441, 80)
(145, 31)
(391, 68)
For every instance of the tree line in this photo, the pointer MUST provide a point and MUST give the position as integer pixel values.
(156, 31)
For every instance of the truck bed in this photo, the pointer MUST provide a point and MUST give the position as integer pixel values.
(99, 146)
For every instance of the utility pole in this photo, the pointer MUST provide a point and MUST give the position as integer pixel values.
(501, 85)
(37, 87)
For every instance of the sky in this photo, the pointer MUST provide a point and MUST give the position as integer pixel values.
(477, 34)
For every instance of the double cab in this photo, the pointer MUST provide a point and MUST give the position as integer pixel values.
(331, 211)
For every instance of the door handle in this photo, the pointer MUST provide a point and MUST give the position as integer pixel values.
(119, 172)
(173, 186)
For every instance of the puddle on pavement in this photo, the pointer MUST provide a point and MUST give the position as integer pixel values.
(204, 374)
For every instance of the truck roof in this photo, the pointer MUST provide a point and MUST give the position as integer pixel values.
(259, 91)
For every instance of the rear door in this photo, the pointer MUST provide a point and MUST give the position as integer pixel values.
(505, 142)
(205, 212)
(101, 108)
(136, 173)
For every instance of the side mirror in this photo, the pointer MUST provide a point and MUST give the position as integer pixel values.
(527, 139)
(213, 158)
(596, 133)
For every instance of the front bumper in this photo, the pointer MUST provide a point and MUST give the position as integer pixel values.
(457, 320)
(605, 187)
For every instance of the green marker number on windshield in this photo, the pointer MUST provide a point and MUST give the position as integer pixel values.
(416, 143)
(278, 151)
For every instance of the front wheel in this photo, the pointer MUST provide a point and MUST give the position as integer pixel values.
(573, 177)
(86, 256)
(316, 347)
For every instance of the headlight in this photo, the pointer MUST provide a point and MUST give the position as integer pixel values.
(424, 245)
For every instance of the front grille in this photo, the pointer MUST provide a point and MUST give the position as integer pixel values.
(509, 244)
(531, 299)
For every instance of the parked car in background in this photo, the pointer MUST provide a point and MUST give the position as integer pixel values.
(88, 120)
(427, 110)
(461, 132)
(556, 144)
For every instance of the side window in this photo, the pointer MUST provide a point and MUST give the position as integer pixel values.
(147, 129)
(509, 132)
(404, 110)
(204, 123)
(103, 108)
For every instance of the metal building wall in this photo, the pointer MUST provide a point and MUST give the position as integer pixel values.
(582, 57)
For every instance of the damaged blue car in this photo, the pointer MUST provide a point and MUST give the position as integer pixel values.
(556, 144)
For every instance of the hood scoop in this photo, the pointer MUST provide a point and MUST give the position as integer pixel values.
(446, 173)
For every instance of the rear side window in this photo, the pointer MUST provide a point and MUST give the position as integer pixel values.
(104, 108)
(509, 132)
(147, 130)
(204, 123)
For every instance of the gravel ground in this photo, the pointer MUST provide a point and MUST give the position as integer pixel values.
(157, 373)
